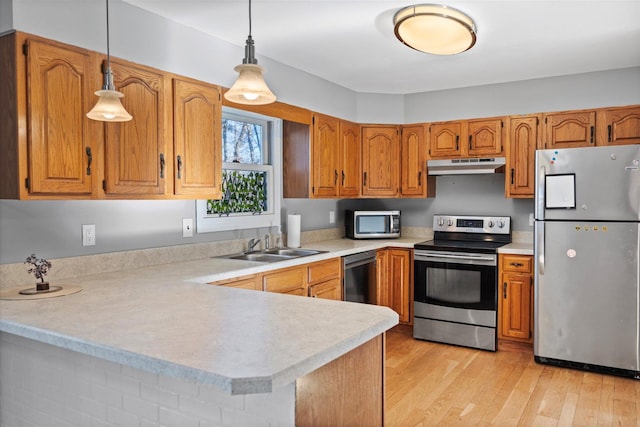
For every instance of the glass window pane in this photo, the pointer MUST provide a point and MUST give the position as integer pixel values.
(243, 191)
(242, 141)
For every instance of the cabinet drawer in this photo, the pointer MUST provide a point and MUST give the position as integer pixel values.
(244, 282)
(324, 270)
(517, 263)
(285, 281)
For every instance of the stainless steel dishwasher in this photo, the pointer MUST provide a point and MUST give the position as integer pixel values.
(360, 277)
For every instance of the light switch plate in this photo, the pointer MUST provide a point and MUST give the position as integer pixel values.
(187, 227)
(332, 217)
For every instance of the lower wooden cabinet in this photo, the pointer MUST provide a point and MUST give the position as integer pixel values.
(325, 279)
(395, 273)
(515, 299)
(286, 281)
(244, 282)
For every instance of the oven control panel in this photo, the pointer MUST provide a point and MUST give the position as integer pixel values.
(472, 224)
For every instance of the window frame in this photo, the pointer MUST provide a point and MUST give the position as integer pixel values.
(272, 218)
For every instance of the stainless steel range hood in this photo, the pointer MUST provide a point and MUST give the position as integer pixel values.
(466, 166)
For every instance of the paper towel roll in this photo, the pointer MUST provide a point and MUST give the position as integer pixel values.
(293, 231)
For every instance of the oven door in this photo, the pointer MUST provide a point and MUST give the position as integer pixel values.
(456, 279)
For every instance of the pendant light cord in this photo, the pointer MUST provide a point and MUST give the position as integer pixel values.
(249, 18)
(108, 55)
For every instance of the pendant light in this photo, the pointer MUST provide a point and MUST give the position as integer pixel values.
(108, 108)
(436, 29)
(250, 87)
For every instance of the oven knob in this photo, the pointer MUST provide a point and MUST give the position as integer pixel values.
(449, 222)
(501, 223)
(490, 223)
(440, 222)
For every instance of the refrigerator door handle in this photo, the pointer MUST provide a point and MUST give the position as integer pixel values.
(540, 196)
(540, 247)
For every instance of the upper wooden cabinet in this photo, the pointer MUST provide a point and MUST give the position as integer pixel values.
(49, 146)
(444, 140)
(380, 161)
(523, 138)
(412, 162)
(53, 151)
(351, 159)
(569, 129)
(484, 137)
(325, 154)
(468, 138)
(618, 126)
(136, 151)
(197, 139)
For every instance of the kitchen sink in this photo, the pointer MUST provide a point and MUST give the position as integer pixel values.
(273, 255)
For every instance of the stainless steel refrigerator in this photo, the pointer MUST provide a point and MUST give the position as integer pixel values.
(587, 232)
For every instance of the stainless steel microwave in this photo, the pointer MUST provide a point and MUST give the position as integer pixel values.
(372, 224)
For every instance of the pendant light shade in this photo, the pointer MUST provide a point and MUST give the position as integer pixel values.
(435, 29)
(109, 108)
(250, 87)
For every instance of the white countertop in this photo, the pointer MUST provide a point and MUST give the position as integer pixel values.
(517, 249)
(165, 320)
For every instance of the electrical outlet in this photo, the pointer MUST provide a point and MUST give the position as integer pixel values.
(88, 234)
(531, 219)
(187, 227)
(332, 217)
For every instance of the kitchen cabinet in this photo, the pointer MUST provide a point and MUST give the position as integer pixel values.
(569, 129)
(618, 126)
(351, 161)
(53, 151)
(523, 138)
(467, 138)
(321, 162)
(286, 281)
(245, 282)
(48, 143)
(137, 151)
(395, 275)
(414, 181)
(380, 161)
(515, 299)
(325, 155)
(324, 279)
(197, 149)
(444, 140)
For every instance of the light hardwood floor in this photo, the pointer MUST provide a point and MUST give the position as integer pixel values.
(430, 384)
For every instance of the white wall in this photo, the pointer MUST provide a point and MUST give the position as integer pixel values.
(52, 228)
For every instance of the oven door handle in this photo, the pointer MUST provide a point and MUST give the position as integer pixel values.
(429, 257)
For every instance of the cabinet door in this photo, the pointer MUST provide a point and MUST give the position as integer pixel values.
(484, 137)
(568, 130)
(331, 289)
(380, 157)
(325, 153)
(444, 140)
(135, 153)
(399, 282)
(515, 306)
(383, 296)
(290, 280)
(351, 162)
(197, 140)
(412, 162)
(619, 126)
(521, 156)
(247, 282)
(60, 141)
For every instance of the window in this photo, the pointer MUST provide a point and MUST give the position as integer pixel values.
(251, 185)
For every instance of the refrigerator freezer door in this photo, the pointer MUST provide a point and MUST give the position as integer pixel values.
(586, 293)
(607, 184)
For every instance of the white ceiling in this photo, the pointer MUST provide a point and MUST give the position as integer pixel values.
(351, 43)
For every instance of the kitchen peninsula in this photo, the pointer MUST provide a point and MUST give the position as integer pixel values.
(158, 345)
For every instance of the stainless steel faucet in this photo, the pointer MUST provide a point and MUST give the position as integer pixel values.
(252, 244)
(267, 243)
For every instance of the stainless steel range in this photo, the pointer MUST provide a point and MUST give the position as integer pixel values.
(456, 280)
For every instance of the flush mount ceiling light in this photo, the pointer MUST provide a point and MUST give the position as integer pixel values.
(436, 29)
(250, 87)
(108, 108)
